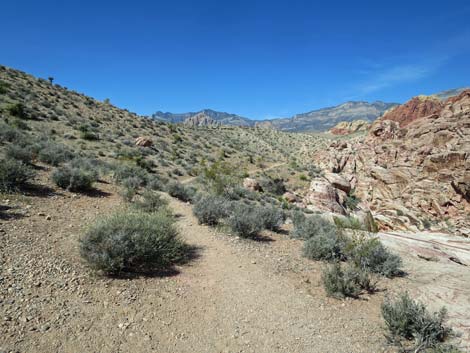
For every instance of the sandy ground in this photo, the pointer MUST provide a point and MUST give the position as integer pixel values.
(237, 296)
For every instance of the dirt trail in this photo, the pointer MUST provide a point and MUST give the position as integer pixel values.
(238, 296)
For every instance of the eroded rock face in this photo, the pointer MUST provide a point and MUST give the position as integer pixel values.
(200, 120)
(322, 196)
(412, 171)
(350, 127)
(143, 142)
(416, 108)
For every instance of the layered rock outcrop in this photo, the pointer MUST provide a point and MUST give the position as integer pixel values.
(412, 170)
(349, 127)
(200, 120)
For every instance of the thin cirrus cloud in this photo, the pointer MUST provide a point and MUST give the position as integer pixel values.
(395, 75)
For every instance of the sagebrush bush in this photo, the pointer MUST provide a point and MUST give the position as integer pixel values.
(328, 246)
(407, 319)
(210, 209)
(180, 191)
(53, 154)
(14, 174)
(9, 133)
(272, 217)
(149, 201)
(372, 255)
(73, 179)
(20, 153)
(124, 172)
(245, 222)
(340, 283)
(307, 227)
(132, 242)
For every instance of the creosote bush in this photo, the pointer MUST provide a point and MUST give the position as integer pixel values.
(210, 209)
(14, 174)
(73, 178)
(133, 242)
(408, 320)
(53, 154)
(20, 153)
(245, 221)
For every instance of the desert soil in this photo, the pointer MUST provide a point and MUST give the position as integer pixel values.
(237, 296)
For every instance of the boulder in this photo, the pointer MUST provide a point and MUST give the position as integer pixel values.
(252, 184)
(339, 182)
(323, 196)
(143, 142)
(290, 197)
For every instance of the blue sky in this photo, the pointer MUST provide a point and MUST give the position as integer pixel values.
(259, 59)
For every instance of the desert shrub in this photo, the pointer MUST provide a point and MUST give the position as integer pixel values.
(130, 188)
(155, 183)
(18, 110)
(89, 136)
(210, 209)
(20, 153)
(314, 171)
(8, 133)
(348, 223)
(273, 186)
(14, 174)
(308, 227)
(149, 201)
(91, 166)
(53, 154)
(407, 319)
(245, 222)
(218, 177)
(73, 179)
(328, 246)
(132, 242)
(340, 283)
(124, 172)
(180, 191)
(372, 255)
(272, 217)
(352, 201)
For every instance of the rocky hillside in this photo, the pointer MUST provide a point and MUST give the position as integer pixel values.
(324, 119)
(220, 117)
(412, 170)
(350, 127)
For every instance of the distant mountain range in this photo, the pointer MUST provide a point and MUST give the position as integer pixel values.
(315, 120)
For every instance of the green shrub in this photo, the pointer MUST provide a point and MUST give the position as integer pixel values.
(351, 202)
(180, 191)
(14, 174)
(149, 201)
(273, 186)
(370, 254)
(155, 183)
(406, 319)
(18, 110)
(328, 246)
(348, 223)
(89, 136)
(124, 172)
(339, 283)
(245, 222)
(307, 227)
(53, 154)
(9, 133)
(73, 179)
(210, 209)
(20, 153)
(272, 217)
(132, 242)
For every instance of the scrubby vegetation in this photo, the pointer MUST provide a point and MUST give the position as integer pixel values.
(244, 221)
(210, 209)
(14, 174)
(350, 281)
(133, 242)
(409, 323)
(73, 178)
